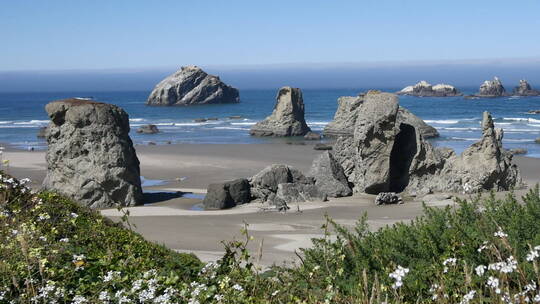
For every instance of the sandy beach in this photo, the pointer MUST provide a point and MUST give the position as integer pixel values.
(171, 220)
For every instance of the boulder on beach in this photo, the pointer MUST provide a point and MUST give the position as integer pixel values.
(518, 151)
(227, 194)
(329, 176)
(90, 155)
(525, 89)
(287, 118)
(148, 129)
(388, 198)
(42, 132)
(387, 155)
(312, 136)
(492, 88)
(322, 147)
(191, 86)
(350, 108)
(425, 89)
(282, 184)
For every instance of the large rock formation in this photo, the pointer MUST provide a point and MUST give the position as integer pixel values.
(425, 89)
(90, 156)
(282, 184)
(287, 119)
(525, 89)
(190, 86)
(329, 176)
(350, 108)
(387, 155)
(493, 88)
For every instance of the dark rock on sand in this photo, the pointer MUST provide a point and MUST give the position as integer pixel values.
(386, 155)
(425, 89)
(518, 151)
(322, 147)
(537, 140)
(287, 119)
(525, 89)
(189, 86)
(227, 194)
(387, 198)
(329, 176)
(148, 129)
(42, 132)
(282, 184)
(90, 157)
(350, 108)
(312, 136)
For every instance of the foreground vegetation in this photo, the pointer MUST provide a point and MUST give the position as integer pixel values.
(484, 251)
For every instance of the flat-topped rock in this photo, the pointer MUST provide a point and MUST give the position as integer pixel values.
(350, 108)
(191, 86)
(287, 118)
(90, 155)
(525, 89)
(425, 89)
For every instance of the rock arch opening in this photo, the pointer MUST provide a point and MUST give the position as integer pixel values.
(401, 157)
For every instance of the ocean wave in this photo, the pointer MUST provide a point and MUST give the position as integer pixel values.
(442, 121)
(137, 119)
(5, 122)
(229, 128)
(522, 119)
(243, 123)
(32, 122)
(317, 123)
(518, 140)
(465, 138)
(459, 129)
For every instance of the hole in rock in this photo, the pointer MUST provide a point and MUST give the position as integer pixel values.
(401, 157)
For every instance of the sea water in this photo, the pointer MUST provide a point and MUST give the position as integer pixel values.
(457, 119)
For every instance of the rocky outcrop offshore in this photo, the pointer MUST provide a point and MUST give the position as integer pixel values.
(191, 86)
(287, 119)
(148, 129)
(425, 89)
(387, 155)
(492, 88)
(90, 155)
(525, 89)
(350, 108)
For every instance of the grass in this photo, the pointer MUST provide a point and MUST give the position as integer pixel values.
(483, 251)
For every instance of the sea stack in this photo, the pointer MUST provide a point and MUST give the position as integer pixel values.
(525, 89)
(287, 119)
(90, 156)
(425, 89)
(493, 88)
(350, 108)
(191, 86)
(387, 155)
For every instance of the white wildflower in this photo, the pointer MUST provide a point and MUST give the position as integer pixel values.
(468, 297)
(79, 300)
(493, 283)
(64, 240)
(480, 269)
(111, 275)
(507, 266)
(74, 215)
(398, 276)
(14, 232)
(218, 297)
(533, 254)
(237, 287)
(104, 296)
(500, 234)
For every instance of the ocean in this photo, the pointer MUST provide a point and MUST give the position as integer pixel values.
(456, 118)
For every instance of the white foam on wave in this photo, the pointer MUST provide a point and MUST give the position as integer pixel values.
(518, 140)
(5, 122)
(465, 138)
(32, 122)
(442, 121)
(243, 123)
(229, 128)
(459, 129)
(136, 119)
(317, 123)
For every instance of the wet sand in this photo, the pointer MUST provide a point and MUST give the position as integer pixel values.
(191, 167)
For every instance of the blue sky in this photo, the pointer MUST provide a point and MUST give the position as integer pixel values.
(60, 35)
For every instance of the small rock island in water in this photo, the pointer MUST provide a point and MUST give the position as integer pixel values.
(190, 86)
(425, 89)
